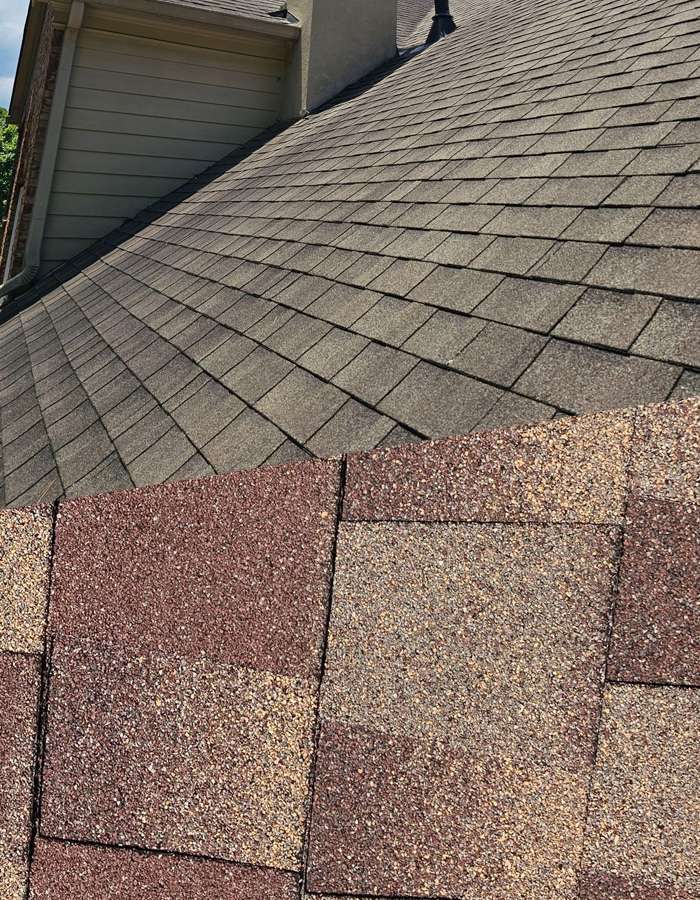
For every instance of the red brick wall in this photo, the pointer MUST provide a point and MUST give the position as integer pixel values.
(32, 136)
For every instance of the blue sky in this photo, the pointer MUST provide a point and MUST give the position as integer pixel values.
(12, 16)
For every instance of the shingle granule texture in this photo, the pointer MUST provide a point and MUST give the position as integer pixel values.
(242, 575)
(656, 635)
(462, 686)
(482, 683)
(645, 800)
(63, 871)
(666, 452)
(222, 762)
(25, 551)
(19, 684)
(572, 470)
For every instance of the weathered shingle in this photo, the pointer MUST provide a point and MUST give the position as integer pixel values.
(531, 179)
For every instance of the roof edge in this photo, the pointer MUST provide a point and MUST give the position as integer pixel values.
(279, 28)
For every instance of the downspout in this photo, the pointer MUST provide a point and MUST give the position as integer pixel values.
(32, 253)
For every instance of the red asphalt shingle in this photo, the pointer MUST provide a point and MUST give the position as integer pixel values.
(242, 578)
(66, 871)
(185, 671)
(656, 635)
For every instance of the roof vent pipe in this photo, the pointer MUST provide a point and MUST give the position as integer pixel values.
(443, 23)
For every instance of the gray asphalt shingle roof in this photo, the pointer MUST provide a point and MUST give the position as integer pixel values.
(503, 228)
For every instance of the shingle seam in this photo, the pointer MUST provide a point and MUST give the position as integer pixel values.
(684, 369)
(481, 523)
(157, 851)
(340, 500)
(647, 685)
(42, 708)
(614, 596)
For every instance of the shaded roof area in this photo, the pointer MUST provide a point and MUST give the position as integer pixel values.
(501, 229)
(473, 670)
(410, 15)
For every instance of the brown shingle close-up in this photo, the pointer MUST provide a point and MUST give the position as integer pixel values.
(224, 761)
(645, 800)
(25, 555)
(263, 538)
(63, 871)
(249, 689)
(463, 681)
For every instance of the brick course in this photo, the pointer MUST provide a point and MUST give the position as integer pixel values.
(32, 136)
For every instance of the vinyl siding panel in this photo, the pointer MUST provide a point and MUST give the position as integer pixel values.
(145, 113)
(177, 109)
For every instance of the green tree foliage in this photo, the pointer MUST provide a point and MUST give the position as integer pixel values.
(8, 148)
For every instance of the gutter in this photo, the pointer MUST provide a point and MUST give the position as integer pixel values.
(32, 253)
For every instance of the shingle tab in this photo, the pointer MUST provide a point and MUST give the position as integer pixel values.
(607, 318)
(661, 271)
(451, 398)
(529, 303)
(300, 404)
(374, 372)
(581, 378)
(673, 333)
(500, 354)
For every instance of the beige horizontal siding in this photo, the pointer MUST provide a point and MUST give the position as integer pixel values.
(182, 112)
(81, 161)
(154, 86)
(81, 227)
(120, 143)
(145, 113)
(112, 185)
(57, 251)
(103, 122)
(167, 52)
(120, 205)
